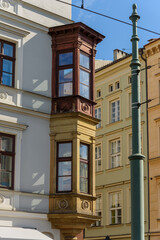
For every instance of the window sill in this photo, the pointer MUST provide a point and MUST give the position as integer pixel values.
(114, 169)
(99, 128)
(128, 165)
(99, 99)
(115, 225)
(99, 172)
(96, 227)
(113, 123)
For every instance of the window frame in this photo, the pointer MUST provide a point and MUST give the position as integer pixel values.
(86, 162)
(12, 154)
(97, 159)
(116, 154)
(88, 70)
(117, 111)
(64, 159)
(98, 223)
(13, 59)
(65, 67)
(99, 125)
(115, 208)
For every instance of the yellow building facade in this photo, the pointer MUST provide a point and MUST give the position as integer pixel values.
(152, 53)
(112, 148)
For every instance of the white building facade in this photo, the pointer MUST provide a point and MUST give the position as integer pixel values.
(25, 106)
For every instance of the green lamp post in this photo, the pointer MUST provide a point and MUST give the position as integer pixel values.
(136, 159)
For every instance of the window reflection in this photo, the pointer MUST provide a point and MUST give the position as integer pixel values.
(84, 168)
(64, 150)
(65, 59)
(84, 60)
(8, 50)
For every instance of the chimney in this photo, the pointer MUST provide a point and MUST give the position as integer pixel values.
(117, 54)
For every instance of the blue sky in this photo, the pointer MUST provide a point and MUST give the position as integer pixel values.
(118, 35)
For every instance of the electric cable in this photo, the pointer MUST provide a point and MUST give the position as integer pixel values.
(106, 16)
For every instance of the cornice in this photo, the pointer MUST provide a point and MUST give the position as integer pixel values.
(12, 125)
(25, 111)
(12, 29)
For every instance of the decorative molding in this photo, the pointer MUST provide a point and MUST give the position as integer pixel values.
(3, 95)
(63, 204)
(12, 125)
(10, 5)
(85, 205)
(12, 29)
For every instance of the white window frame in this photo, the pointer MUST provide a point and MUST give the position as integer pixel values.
(98, 157)
(110, 88)
(115, 200)
(98, 223)
(98, 114)
(115, 153)
(117, 85)
(115, 111)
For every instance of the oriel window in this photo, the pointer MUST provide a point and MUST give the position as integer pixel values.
(64, 167)
(7, 63)
(7, 154)
(65, 74)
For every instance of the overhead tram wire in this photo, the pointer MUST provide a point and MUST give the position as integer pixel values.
(106, 16)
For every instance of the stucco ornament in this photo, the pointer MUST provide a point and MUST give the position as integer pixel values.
(85, 205)
(4, 4)
(63, 203)
(3, 95)
(1, 198)
(10, 5)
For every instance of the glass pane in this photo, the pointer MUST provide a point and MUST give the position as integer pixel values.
(84, 151)
(65, 150)
(84, 60)
(65, 75)
(65, 89)
(84, 91)
(6, 144)
(84, 77)
(5, 179)
(0, 47)
(65, 59)
(7, 79)
(83, 170)
(6, 163)
(64, 168)
(8, 50)
(7, 66)
(84, 185)
(64, 184)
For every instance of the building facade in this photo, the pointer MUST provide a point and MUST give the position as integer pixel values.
(152, 56)
(40, 159)
(113, 146)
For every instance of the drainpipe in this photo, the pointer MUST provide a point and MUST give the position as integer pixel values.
(146, 67)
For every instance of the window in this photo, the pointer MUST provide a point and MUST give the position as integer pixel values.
(129, 80)
(7, 154)
(98, 158)
(115, 153)
(115, 208)
(98, 93)
(130, 144)
(130, 105)
(64, 167)
(7, 63)
(65, 74)
(98, 116)
(111, 88)
(117, 85)
(115, 111)
(98, 211)
(84, 75)
(84, 168)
